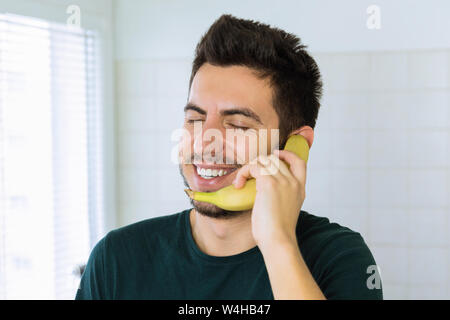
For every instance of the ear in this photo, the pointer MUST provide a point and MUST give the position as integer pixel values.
(307, 132)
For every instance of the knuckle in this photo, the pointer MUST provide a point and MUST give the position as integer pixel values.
(263, 159)
(271, 182)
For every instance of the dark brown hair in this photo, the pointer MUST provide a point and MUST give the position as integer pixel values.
(274, 54)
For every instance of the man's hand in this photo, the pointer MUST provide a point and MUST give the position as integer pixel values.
(279, 198)
(280, 192)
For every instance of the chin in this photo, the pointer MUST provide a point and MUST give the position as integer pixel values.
(212, 211)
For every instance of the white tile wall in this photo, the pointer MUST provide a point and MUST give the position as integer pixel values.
(389, 226)
(136, 151)
(428, 69)
(350, 148)
(150, 99)
(380, 162)
(388, 188)
(136, 114)
(350, 217)
(348, 72)
(388, 150)
(356, 116)
(318, 186)
(428, 148)
(389, 110)
(389, 72)
(393, 261)
(395, 291)
(349, 188)
(429, 109)
(428, 292)
(135, 79)
(172, 77)
(429, 227)
(429, 188)
(420, 262)
(319, 155)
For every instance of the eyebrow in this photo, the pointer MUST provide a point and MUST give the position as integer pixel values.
(246, 112)
(191, 106)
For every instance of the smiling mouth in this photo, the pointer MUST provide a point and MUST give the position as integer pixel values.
(211, 173)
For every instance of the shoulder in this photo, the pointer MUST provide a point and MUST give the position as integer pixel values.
(119, 249)
(338, 258)
(123, 246)
(118, 242)
(317, 232)
(318, 237)
(152, 227)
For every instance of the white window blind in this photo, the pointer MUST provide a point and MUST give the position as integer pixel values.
(51, 211)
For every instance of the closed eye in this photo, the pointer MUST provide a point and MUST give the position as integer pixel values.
(238, 127)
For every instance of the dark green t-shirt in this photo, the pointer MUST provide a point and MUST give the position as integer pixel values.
(158, 258)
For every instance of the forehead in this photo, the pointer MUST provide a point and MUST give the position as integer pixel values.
(215, 87)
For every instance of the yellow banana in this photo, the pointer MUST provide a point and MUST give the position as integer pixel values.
(232, 199)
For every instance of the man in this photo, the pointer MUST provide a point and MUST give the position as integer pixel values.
(246, 76)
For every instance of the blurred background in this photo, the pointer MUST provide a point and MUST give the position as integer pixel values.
(91, 91)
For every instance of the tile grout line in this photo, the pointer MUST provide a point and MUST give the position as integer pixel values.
(368, 157)
(408, 188)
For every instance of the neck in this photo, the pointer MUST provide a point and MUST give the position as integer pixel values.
(222, 237)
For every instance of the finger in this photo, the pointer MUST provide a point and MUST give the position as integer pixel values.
(260, 166)
(264, 160)
(248, 171)
(297, 166)
(266, 166)
(280, 166)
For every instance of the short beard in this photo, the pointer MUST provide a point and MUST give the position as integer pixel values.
(209, 209)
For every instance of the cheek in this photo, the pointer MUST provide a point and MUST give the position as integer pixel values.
(242, 150)
(252, 146)
(185, 147)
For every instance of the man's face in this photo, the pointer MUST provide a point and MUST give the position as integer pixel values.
(224, 98)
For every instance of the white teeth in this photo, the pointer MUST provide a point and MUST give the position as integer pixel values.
(210, 173)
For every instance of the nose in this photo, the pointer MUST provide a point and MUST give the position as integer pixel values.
(209, 144)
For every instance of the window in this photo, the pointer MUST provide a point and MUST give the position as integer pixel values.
(51, 208)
